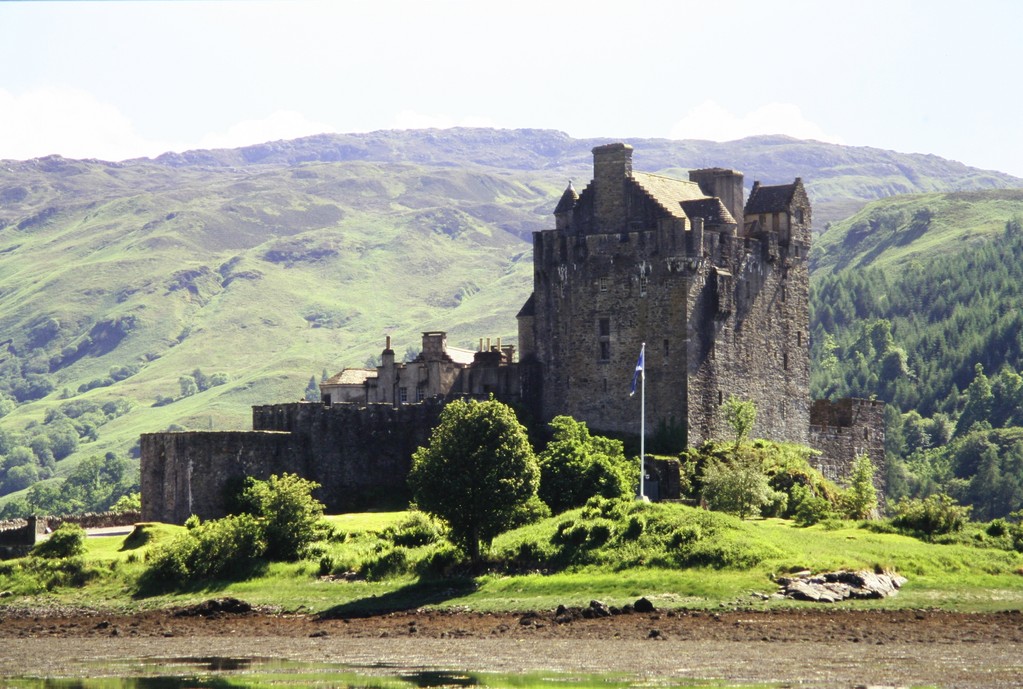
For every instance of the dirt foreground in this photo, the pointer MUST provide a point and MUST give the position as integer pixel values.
(810, 647)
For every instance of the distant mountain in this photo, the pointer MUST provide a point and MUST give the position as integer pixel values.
(839, 179)
(271, 263)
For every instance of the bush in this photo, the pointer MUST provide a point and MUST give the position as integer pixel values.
(740, 487)
(936, 515)
(417, 529)
(132, 502)
(809, 509)
(287, 510)
(217, 549)
(67, 541)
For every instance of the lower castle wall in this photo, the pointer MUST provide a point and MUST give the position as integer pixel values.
(360, 455)
(186, 473)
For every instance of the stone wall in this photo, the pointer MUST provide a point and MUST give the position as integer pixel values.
(844, 429)
(187, 473)
(360, 455)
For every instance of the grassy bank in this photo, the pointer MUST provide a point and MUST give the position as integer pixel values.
(682, 557)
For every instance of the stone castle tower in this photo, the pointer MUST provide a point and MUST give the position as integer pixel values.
(716, 287)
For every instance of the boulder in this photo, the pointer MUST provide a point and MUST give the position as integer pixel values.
(830, 587)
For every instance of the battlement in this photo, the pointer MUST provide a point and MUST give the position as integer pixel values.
(845, 413)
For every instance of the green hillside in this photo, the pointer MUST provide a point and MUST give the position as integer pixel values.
(265, 275)
(897, 232)
(248, 271)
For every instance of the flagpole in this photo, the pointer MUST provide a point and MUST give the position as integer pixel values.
(642, 423)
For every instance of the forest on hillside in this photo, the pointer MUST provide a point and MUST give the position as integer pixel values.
(941, 341)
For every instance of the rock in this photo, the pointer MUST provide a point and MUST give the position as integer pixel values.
(643, 605)
(599, 609)
(835, 586)
(215, 606)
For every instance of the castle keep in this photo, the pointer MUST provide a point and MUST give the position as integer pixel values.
(717, 289)
(714, 284)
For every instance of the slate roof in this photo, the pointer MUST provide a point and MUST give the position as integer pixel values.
(351, 376)
(773, 199)
(711, 210)
(528, 309)
(461, 356)
(669, 192)
(568, 199)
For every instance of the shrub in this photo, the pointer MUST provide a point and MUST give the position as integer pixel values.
(67, 541)
(287, 510)
(809, 509)
(860, 501)
(217, 549)
(935, 515)
(635, 528)
(417, 529)
(739, 487)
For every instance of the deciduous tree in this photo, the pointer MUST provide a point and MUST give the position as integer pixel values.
(478, 472)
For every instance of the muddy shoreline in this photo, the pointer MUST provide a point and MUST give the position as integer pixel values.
(808, 647)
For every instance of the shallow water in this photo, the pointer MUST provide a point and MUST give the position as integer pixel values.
(252, 673)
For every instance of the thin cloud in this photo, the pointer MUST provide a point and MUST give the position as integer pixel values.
(709, 120)
(411, 119)
(283, 124)
(69, 122)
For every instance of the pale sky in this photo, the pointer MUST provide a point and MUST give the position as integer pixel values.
(116, 80)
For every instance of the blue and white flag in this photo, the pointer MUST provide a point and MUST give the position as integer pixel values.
(639, 370)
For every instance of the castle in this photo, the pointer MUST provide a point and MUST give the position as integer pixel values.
(716, 286)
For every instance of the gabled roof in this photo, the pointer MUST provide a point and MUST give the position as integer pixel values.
(669, 192)
(528, 309)
(461, 356)
(773, 199)
(351, 376)
(711, 210)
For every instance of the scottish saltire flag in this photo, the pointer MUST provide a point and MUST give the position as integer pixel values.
(639, 370)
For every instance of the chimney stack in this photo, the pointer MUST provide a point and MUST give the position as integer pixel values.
(612, 166)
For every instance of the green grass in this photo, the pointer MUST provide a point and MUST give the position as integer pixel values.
(955, 577)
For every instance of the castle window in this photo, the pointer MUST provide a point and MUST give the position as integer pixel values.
(604, 334)
(795, 248)
(643, 282)
(799, 338)
(403, 394)
(667, 348)
(720, 397)
(799, 215)
(604, 283)
(420, 392)
(785, 361)
(783, 293)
